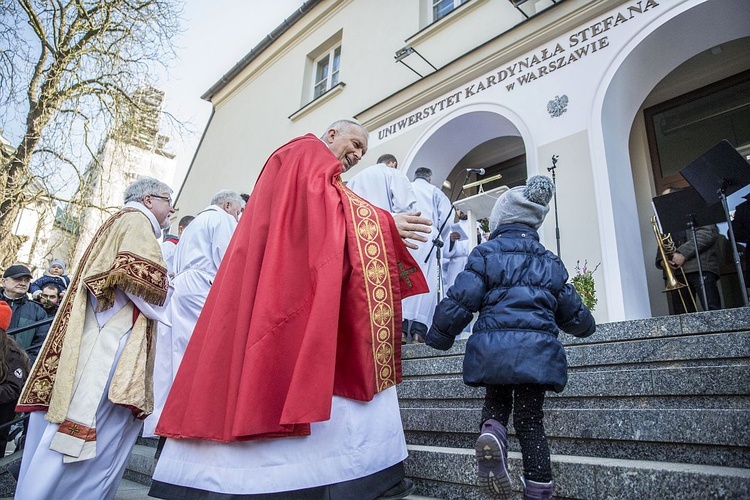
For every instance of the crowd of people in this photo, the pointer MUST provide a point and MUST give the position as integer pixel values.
(262, 342)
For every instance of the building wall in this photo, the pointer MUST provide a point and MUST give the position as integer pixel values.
(121, 163)
(572, 82)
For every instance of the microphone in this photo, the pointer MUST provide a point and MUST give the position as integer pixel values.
(479, 171)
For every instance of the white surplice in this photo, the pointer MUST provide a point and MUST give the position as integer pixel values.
(196, 261)
(43, 473)
(454, 259)
(435, 206)
(168, 249)
(359, 439)
(385, 187)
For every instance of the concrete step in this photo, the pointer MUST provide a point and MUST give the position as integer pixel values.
(710, 437)
(141, 465)
(723, 321)
(7, 482)
(730, 381)
(450, 473)
(714, 349)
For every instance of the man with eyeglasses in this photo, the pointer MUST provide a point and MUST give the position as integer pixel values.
(93, 383)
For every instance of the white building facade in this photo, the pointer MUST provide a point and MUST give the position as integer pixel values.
(623, 93)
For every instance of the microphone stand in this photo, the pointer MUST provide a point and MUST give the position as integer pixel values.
(554, 182)
(693, 231)
(437, 243)
(723, 185)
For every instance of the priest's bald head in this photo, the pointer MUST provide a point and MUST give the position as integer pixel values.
(347, 140)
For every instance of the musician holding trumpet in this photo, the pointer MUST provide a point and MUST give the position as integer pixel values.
(681, 274)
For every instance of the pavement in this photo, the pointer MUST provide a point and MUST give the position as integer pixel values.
(128, 490)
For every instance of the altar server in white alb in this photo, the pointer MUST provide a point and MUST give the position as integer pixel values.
(385, 186)
(433, 205)
(196, 261)
(169, 245)
(456, 250)
(92, 382)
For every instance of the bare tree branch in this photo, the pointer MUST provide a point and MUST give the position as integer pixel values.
(68, 72)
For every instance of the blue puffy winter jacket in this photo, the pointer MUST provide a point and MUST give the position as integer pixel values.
(521, 292)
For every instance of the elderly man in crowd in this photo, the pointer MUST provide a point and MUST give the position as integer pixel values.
(196, 262)
(287, 387)
(16, 282)
(91, 385)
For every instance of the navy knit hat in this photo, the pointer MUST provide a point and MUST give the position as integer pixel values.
(527, 204)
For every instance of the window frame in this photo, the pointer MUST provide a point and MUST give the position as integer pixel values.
(433, 9)
(330, 55)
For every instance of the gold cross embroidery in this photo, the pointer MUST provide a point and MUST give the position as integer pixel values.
(74, 429)
(404, 273)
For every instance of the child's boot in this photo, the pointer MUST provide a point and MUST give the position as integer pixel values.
(537, 491)
(492, 457)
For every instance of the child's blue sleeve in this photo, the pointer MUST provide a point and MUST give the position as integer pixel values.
(457, 309)
(572, 316)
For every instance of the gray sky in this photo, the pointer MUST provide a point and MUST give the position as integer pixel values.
(217, 35)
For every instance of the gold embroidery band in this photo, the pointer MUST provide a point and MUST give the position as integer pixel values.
(377, 280)
(77, 430)
(37, 391)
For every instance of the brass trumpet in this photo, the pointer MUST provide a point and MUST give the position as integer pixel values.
(666, 249)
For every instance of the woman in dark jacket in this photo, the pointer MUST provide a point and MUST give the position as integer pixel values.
(521, 292)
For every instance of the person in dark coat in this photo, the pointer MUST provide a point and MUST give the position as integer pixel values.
(523, 297)
(14, 368)
(16, 280)
(683, 260)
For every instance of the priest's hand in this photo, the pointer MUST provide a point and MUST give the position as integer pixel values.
(410, 225)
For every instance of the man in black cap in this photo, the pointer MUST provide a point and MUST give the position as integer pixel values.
(16, 281)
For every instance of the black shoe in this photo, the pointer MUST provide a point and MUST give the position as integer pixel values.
(404, 488)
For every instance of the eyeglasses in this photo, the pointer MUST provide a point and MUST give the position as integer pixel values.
(168, 199)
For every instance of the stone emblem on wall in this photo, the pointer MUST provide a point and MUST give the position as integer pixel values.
(557, 106)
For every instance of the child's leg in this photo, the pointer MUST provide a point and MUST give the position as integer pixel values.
(498, 403)
(528, 420)
(492, 446)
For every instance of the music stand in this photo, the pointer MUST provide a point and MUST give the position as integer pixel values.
(682, 210)
(716, 174)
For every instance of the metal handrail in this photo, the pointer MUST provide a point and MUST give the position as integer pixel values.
(16, 420)
(19, 329)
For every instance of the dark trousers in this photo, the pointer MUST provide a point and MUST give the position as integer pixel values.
(693, 279)
(525, 401)
(7, 413)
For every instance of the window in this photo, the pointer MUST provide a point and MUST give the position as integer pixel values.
(441, 8)
(327, 72)
(683, 128)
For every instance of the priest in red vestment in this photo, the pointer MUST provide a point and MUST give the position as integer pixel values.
(288, 382)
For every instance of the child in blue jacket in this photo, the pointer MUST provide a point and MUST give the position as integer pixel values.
(523, 297)
(54, 274)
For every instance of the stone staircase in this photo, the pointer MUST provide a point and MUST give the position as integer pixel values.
(654, 408)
